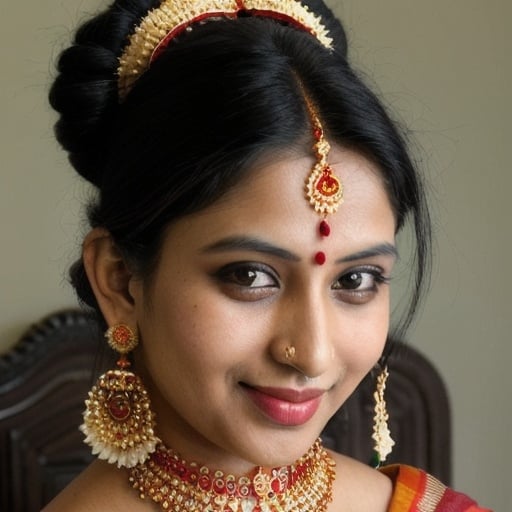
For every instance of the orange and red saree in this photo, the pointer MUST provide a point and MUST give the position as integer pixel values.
(417, 491)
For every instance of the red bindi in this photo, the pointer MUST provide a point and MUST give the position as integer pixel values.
(320, 258)
(325, 229)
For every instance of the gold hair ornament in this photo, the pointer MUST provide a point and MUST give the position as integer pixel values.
(172, 17)
(324, 190)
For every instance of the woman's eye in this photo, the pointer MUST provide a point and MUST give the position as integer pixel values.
(356, 280)
(249, 277)
(358, 286)
(248, 281)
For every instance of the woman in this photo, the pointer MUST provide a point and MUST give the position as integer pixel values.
(250, 188)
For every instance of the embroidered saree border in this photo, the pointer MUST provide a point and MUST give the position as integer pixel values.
(417, 491)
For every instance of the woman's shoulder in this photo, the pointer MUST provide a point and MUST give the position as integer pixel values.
(359, 487)
(102, 487)
(415, 490)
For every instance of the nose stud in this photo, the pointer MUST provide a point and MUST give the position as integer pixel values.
(289, 352)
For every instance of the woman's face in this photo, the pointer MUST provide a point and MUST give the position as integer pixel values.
(236, 285)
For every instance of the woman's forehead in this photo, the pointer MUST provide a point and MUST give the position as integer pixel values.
(271, 202)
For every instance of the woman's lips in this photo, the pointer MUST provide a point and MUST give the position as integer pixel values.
(289, 407)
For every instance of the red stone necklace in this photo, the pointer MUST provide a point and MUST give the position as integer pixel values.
(178, 486)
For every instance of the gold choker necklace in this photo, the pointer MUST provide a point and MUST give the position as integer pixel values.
(182, 487)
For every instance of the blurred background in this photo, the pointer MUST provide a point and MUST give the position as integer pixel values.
(444, 69)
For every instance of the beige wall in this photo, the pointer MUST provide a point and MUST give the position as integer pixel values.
(445, 69)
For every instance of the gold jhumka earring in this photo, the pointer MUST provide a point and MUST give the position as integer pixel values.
(381, 434)
(118, 421)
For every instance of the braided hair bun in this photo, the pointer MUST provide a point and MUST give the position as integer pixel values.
(85, 90)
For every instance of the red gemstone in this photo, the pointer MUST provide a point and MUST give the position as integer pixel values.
(123, 363)
(192, 477)
(219, 486)
(119, 407)
(122, 335)
(320, 258)
(276, 486)
(230, 487)
(205, 482)
(244, 491)
(181, 470)
(328, 185)
(160, 458)
(325, 229)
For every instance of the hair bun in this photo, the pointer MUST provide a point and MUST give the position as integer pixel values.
(84, 92)
(85, 95)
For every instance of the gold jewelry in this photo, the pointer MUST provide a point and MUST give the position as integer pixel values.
(118, 421)
(172, 17)
(381, 434)
(176, 485)
(324, 190)
(289, 352)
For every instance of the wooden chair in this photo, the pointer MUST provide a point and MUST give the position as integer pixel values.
(44, 380)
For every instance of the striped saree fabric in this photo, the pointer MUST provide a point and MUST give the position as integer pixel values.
(417, 491)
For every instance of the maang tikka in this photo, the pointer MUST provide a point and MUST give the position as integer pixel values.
(118, 421)
(324, 190)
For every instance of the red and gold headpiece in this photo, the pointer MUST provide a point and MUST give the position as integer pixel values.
(167, 21)
(164, 23)
(324, 189)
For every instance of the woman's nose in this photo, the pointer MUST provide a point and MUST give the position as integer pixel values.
(304, 337)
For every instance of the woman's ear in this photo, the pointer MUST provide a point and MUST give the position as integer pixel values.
(109, 277)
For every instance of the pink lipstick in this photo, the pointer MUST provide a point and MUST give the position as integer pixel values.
(289, 407)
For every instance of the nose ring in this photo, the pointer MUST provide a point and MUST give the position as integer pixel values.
(289, 352)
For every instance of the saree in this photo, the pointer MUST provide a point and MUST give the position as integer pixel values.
(417, 491)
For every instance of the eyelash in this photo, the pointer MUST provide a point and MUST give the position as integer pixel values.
(361, 295)
(228, 277)
(232, 277)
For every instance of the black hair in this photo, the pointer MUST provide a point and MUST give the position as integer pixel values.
(217, 98)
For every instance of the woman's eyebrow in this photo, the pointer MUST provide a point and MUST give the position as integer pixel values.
(243, 243)
(385, 249)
